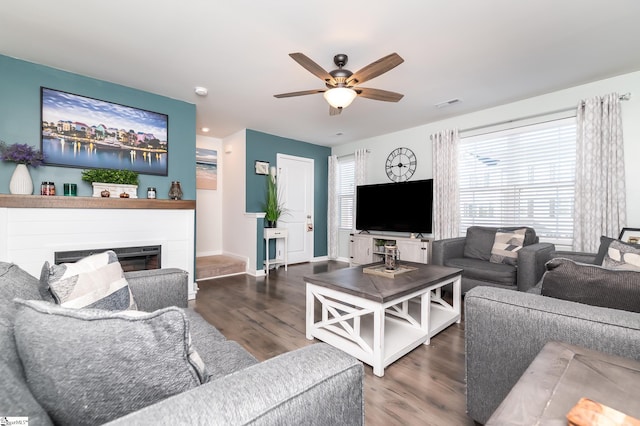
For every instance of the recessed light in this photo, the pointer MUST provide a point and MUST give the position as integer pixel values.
(201, 91)
(205, 129)
(339, 134)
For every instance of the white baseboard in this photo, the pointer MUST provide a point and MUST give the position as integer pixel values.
(208, 253)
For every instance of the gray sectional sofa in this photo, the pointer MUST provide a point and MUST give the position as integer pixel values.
(313, 385)
(505, 330)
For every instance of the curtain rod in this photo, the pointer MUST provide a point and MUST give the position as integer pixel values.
(347, 155)
(624, 97)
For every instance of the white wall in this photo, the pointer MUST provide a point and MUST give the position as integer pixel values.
(417, 138)
(239, 237)
(209, 206)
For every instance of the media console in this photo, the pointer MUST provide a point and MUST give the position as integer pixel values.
(369, 248)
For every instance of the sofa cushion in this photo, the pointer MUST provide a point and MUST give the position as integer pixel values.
(622, 256)
(92, 366)
(506, 246)
(482, 270)
(480, 239)
(15, 397)
(604, 247)
(96, 281)
(592, 285)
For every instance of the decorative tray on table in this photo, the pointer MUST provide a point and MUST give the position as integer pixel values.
(389, 273)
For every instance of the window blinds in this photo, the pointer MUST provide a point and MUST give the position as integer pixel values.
(346, 191)
(521, 176)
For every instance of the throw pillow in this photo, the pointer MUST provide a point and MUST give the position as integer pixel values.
(622, 256)
(592, 285)
(604, 247)
(97, 282)
(506, 246)
(89, 366)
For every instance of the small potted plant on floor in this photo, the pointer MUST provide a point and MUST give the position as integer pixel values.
(112, 182)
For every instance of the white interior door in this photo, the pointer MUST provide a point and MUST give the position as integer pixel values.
(295, 186)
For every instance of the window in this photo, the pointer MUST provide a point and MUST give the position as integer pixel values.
(346, 191)
(521, 176)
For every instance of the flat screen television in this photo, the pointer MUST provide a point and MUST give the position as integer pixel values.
(397, 207)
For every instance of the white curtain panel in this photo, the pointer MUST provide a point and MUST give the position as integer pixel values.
(334, 213)
(361, 173)
(600, 203)
(446, 194)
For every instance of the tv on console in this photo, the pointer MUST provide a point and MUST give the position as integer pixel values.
(397, 207)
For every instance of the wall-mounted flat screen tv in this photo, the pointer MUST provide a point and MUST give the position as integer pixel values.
(396, 207)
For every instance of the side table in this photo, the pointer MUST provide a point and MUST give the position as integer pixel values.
(275, 234)
(559, 376)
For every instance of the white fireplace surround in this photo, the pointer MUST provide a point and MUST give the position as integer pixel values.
(30, 236)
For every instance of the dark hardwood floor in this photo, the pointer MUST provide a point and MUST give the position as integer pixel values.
(267, 317)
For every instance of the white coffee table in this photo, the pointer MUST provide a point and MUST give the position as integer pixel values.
(378, 319)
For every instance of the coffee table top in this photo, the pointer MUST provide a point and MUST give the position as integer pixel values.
(382, 289)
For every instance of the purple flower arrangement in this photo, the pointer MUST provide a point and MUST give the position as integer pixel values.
(21, 153)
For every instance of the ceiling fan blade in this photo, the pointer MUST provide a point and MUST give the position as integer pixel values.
(312, 67)
(301, 93)
(378, 94)
(376, 68)
(334, 111)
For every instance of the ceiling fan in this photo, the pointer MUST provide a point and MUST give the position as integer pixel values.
(343, 85)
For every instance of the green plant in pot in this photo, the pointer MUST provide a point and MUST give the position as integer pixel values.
(272, 206)
(120, 177)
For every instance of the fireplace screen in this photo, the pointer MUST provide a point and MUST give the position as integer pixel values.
(131, 258)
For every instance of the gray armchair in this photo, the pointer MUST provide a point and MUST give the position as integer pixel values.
(472, 253)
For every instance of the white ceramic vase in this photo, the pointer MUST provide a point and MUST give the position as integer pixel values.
(21, 183)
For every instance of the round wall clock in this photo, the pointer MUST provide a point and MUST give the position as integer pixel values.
(401, 164)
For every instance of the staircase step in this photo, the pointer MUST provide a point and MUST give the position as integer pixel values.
(217, 266)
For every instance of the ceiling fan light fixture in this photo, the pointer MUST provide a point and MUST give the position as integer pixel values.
(340, 97)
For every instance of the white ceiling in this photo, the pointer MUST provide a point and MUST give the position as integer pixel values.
(485, 53)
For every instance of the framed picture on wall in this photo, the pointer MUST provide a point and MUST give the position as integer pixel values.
(206, 168)
(88, 133)
(262, 167)
(630, 235)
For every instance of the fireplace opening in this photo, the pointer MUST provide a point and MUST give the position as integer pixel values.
(130, 258)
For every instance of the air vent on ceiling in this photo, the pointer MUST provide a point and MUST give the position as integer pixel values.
(448, 103)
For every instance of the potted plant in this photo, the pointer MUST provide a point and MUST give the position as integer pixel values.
(112, 182)
(23, 155)
(272, 206)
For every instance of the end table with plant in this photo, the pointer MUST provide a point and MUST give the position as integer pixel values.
(23, 155)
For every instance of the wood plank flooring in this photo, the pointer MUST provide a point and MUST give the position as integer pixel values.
(267, 317)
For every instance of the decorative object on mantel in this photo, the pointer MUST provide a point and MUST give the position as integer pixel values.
(175, 192)
(24, 155)
(382, 270)
(47, 188)
(112, 181)
(272, 206)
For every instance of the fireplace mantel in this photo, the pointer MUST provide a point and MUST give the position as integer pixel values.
(34, 227)
(61, 202)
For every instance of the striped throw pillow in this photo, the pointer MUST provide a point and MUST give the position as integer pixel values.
(96, 281)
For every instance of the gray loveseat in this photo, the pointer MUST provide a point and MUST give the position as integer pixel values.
(313, 385)
(472, 254)
(505, 330)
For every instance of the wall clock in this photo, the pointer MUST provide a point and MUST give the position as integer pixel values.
(401, 164)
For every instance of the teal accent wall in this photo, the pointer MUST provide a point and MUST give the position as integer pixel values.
(20, 83)
(265, 147)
